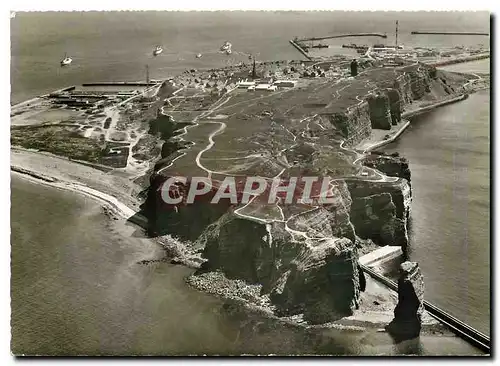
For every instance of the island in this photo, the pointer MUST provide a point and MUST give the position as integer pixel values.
(134, 144)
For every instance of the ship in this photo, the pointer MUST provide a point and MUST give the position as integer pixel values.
(226, 47)
(321, 45)
(199, 55)
(66, 60)
(157, 50)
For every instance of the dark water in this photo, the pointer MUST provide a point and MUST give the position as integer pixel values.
(448, 150)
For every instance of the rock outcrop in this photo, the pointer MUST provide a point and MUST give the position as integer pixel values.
(407, 321)
(374, 217)
(392, 165)
(395, 105)
(354, 125)
(322, 282)
(308, 264)
(380, 210)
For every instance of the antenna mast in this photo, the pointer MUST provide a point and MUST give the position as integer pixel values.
(397, 23)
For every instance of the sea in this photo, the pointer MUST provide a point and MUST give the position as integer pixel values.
(76, 286)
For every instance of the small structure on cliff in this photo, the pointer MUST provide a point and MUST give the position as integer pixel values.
(407, 320)
(354, 67)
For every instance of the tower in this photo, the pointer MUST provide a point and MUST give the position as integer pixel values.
(397, 23)
(147, 74)
(354, 67)
(254, 73)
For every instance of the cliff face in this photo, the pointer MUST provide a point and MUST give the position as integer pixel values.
(391, 165)
(380, 111)
(298, 273)
(395, 105)
(354, 125)
(298, 261)
(185, 221)
(322, 282)
(374, 217)
(380, 211)
(384, 109)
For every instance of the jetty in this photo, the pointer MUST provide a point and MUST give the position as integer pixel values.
(300, 49)
(453, 33)
(343, 36)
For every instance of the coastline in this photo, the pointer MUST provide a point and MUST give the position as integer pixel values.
(89, 179)
(393, 134)
(107, 189)
(245, 295)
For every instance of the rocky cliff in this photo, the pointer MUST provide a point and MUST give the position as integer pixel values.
(380, 211)
(382, 108)
(392, 165)
(317, 277)
(306, 259)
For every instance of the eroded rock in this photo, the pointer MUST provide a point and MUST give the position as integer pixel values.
(408, 313)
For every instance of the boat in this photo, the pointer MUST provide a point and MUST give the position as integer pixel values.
(157, 50)
(226, 46)
(66, 60)
(199, 55)
(320, 45)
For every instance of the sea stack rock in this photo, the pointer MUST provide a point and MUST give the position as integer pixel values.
(408, 312)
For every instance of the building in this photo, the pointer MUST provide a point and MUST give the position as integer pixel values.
(285, 83)
(246, 84)
(264, 87)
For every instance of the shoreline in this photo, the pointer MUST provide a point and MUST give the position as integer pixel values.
(105, 200)
(114, 200)
(122, 208)
(368, 145)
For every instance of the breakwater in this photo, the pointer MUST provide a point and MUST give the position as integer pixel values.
(300, 49)
(459, 60)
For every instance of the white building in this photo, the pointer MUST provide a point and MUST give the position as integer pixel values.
(246, 84)
(285, 83)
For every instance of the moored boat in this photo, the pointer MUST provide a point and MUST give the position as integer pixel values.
(66, 60)
(157, 50)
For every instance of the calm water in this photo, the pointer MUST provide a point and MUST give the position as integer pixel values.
(77, 287)
(448, 150)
